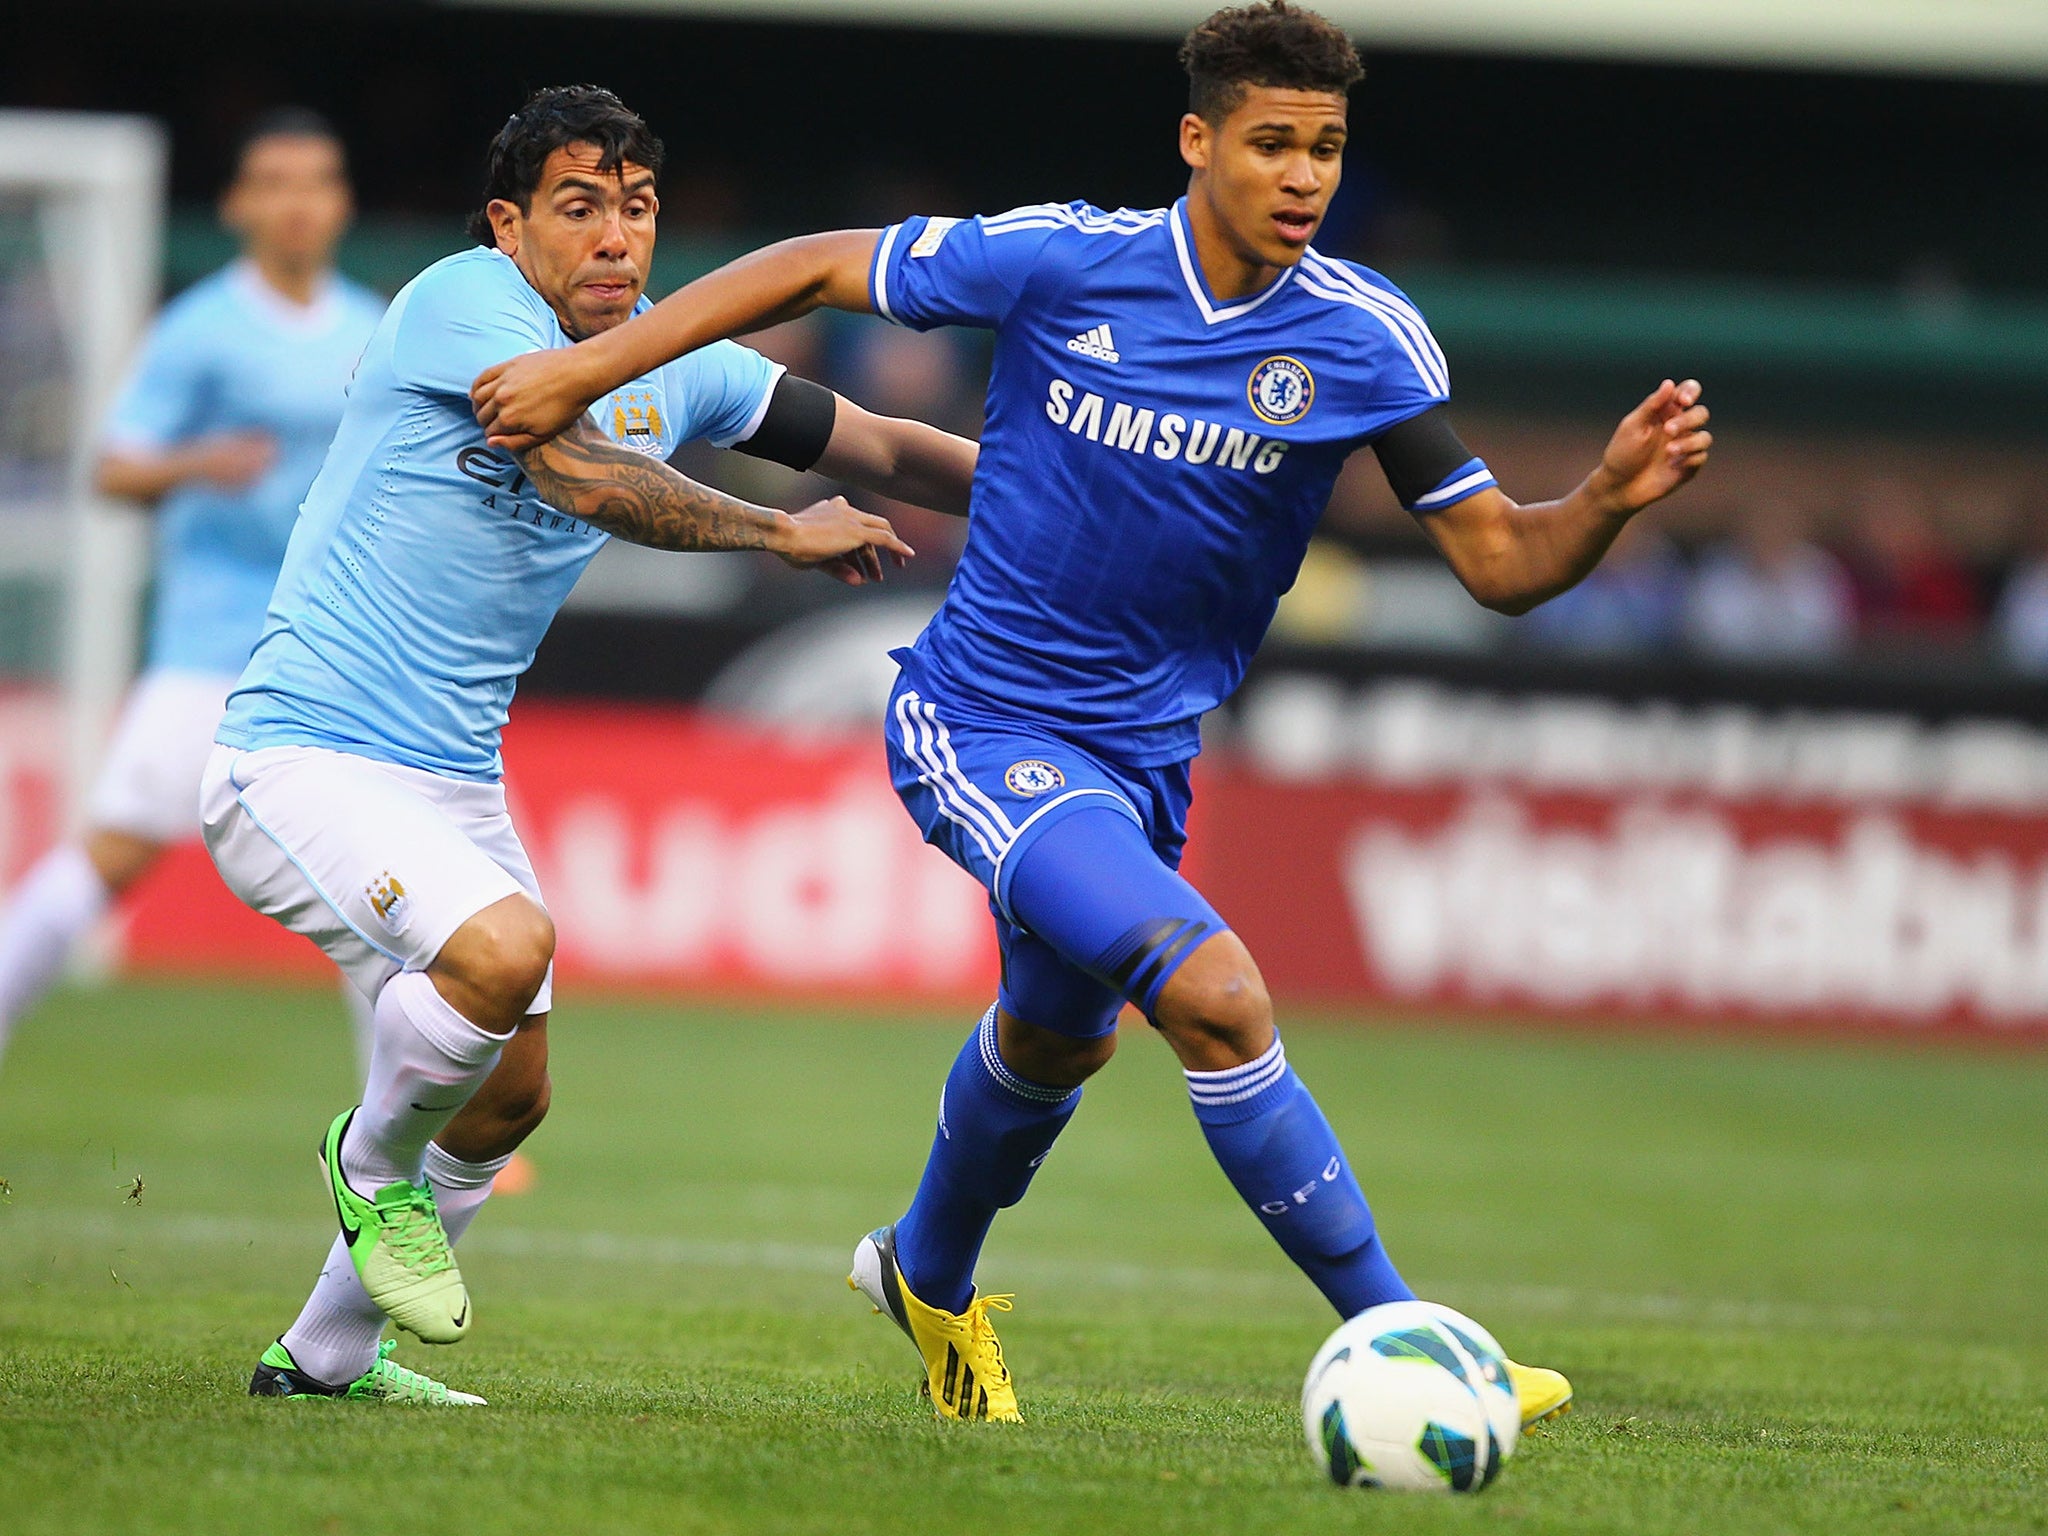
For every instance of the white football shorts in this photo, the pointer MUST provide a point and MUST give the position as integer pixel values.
(149, 784)
(376, 863)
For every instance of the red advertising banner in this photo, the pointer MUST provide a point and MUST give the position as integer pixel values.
(31, 754)
(687, 852)
(1681, 905)
(680, 851)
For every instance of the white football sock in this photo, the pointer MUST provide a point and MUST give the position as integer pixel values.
(460, 1189)
(335, 1337)
(427, 1061)
(362, 1018)
(56, 902)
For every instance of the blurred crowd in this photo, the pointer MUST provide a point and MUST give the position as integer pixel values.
(1881, 581)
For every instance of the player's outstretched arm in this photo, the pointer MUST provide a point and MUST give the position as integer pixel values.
(537, 394)
(231, 460)
(899, 458)
(633, 497)
(1511, 557)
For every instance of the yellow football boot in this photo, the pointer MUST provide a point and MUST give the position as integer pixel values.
(1543, 1394)
(963, 1360)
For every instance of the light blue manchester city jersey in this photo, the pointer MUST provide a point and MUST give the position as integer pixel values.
(231, 355)
(425, 567)
(1153, 463)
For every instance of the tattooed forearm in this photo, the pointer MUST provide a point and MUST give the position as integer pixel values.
(639, 499)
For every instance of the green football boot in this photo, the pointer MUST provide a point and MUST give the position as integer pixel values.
(278, 1375)
(400, 1251)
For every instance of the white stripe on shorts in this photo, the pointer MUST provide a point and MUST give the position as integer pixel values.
(916, 729)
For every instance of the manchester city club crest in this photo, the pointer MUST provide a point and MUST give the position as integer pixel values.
(1033, 777)
(1281, 390)
(390, 900)
(636, 421)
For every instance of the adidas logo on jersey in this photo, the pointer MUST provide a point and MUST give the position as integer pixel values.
(1096, 343)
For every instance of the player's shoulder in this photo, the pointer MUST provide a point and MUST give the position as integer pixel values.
(473, 282)
(1076, 224)
(469, 275)
(713, 358)
(1352, 286)
(1380, 323)
(1080, 217)
(199, 309)
(710, 372)
(1062, 243)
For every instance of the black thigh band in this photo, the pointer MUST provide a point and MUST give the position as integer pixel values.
(797, 424)
(1420, 454)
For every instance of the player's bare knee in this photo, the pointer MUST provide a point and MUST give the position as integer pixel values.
(516, 946)
(120, 858)
(498, 959)
(1045, 1056)
(1082, 1059)
(1219, 1016)
(525, 953)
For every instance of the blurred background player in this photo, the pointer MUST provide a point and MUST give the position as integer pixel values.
(220, 430)
(356, 794)
(1173, 395)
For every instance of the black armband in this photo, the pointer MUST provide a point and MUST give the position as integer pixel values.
(1422, 457)
(797, 425)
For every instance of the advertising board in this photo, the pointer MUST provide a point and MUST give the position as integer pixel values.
(1444, 860)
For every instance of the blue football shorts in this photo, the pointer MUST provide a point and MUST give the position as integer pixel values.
(1080, 858)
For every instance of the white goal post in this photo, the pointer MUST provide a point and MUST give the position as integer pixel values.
(81, 231)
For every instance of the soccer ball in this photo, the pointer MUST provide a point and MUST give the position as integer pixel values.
(1411, 1395)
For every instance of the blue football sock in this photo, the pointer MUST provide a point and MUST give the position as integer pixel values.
(1282, 1157)
(994, 1130)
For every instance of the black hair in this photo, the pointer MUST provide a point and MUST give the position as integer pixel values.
(552, 119)
(1270, 43)
(282, 123)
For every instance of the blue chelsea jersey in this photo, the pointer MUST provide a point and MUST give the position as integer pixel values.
(231, 355)
(1153, 463)
(425, 567)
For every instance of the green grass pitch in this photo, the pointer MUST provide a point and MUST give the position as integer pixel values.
(1800, 1287)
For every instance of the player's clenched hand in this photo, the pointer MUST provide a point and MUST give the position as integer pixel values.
(838, 538)
(526, 400)
(1659, 446)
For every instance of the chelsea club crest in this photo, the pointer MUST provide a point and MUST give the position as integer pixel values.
(1033, 777)
(1281, 390)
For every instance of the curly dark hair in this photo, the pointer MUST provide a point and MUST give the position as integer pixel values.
(1269, 43)
(552, 119)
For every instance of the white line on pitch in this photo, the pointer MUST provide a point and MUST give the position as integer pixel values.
(648, 1251)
